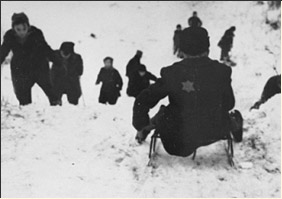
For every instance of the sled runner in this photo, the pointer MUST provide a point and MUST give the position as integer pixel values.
(155, 136)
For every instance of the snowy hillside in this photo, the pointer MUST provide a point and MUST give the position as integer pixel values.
(90, 151)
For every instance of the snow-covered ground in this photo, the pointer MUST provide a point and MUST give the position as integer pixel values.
(90, 151)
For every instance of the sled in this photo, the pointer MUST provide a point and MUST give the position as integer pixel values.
(229, 149)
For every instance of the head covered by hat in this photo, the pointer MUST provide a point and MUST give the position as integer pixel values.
(108, 58)
(67, 47)
(19, 18)
(142, 68)
(139, 53)
(194, 41)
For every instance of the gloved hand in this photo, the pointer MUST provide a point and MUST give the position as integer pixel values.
(142, 134)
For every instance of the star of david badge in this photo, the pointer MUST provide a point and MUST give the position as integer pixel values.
(188, 86)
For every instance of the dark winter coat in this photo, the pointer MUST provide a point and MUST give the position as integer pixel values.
(200, 96)
(111, 81)
(226, 42)
(133, 65)
(194, 22)
(176, 39)
(137, 83)
(29, 64)
(272, 87)
(65, 74)
(31, 56)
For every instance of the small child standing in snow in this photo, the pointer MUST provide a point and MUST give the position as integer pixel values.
(111, 83)
(176, 41)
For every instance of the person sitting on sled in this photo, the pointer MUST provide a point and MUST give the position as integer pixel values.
(200, 98)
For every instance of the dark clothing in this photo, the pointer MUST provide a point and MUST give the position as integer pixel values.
(65, 73)
(176, 42)
(133, 65)
(200, 96)
(226, 43)
(137, 83)
(23, 84)
(29, 62)
(111, 85)
(224, 54)
(271, 88)
(194, 22)
(31, 55)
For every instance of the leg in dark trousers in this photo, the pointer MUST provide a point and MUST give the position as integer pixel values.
(113, 100)
(236, 121)
(103, 97)
(154, 121)
(22, 84)
(224, 55)
(44, 82)
(73, 92)
(72, 100)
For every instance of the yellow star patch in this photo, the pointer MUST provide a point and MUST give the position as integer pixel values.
(188, 86)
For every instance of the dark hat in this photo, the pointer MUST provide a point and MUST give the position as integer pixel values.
(67, 47)
(178, 26)
(19, 18)
(139, 52)
(194, 41)
(108, 58)
(233, 28)
(142, 68)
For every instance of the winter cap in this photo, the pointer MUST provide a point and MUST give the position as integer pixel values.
(142, 68)
(19, 18)
(108, 58)
(139, 52)
(233, 28)
(194, 41)
(67, 47)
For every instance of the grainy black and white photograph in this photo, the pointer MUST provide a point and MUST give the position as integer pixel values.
(143, 99)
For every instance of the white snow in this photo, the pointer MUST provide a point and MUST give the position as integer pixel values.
(90, 151)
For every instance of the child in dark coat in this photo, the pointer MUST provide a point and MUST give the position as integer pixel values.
(139, 81)
(111, 83)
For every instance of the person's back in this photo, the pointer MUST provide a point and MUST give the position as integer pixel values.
(200, 95)
(196, 89)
